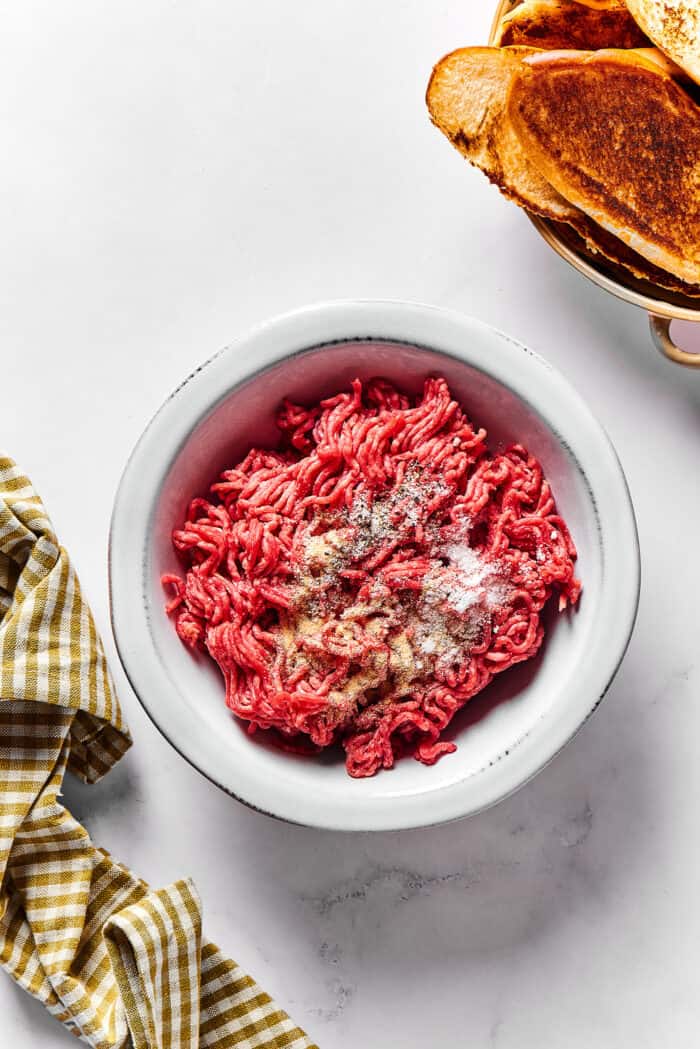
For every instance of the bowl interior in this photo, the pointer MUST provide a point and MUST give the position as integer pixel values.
(491, 726)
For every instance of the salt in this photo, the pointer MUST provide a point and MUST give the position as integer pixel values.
(474, 581)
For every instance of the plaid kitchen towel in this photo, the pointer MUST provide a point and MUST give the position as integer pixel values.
(117, 963)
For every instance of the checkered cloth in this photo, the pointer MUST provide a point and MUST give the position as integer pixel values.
(108, 957)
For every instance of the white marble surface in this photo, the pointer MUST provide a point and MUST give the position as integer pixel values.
(173, 172)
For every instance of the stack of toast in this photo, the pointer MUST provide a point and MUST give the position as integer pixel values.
(587, 113)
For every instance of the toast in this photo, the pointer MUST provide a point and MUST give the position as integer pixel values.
(590, 239)
(601, 5)
(466, 99)
(674, 26)
(620, 140)
(553, 25)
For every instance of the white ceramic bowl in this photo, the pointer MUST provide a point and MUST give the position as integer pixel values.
(519, 723)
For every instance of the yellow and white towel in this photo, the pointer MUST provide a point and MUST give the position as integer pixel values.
(108, 957)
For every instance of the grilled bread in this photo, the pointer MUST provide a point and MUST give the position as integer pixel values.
(674, 26)
(601, 5)
(466, 98)
(561, 24)
(595, 242)
(658, 58)
(618, 138)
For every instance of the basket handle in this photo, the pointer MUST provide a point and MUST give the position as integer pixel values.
(660, 328)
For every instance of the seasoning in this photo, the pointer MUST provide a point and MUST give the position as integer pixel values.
(471, 579)
(391, 514)
(426, 630)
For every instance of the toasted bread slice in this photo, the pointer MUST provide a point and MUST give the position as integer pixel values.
(466, 98)
(597, 5)
(590, 238)
(617, 137)
(601, 5)
(562, 24)
(674, 26)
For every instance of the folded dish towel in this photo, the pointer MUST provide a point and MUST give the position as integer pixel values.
(108, 957)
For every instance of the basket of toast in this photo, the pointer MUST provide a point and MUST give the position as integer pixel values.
(586, 113)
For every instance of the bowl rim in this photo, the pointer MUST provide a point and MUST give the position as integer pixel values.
(655, 306)
(530, 378)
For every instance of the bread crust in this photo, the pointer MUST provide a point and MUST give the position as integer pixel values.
(466, 99)
(563, 24)
(601, 5)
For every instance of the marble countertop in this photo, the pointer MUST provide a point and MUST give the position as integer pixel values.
(173, 173)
